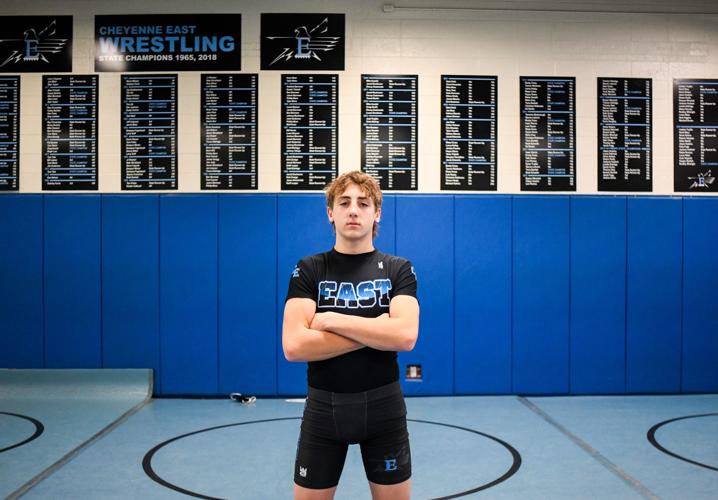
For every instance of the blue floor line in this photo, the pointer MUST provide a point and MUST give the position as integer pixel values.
(631, 481)
(82, 446)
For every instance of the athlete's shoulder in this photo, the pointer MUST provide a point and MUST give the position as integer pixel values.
(394, 260)
(313, 265)
(315, 259)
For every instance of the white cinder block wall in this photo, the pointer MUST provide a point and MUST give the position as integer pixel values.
(426, 42)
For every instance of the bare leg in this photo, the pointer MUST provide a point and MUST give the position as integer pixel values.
(301, 493)
(400, 491)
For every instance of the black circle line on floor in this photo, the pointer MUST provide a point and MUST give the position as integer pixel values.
(147, 459)
(651, 435)
(39, 429)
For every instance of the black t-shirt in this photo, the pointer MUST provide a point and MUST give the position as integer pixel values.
(362, 285)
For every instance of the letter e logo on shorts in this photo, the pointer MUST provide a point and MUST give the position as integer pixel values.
(390, 464)
(302, 471)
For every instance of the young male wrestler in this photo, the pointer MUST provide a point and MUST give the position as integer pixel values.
(348, 311)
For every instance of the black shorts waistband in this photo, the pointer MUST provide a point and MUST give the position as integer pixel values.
(329, 397)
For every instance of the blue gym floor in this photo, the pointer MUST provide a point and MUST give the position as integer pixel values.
(97, 434)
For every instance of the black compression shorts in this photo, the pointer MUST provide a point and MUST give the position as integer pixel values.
(375, 419)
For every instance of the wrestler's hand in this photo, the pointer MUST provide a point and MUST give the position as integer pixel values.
(326, 321)
(322, 321)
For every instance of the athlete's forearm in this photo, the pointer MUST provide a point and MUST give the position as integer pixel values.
(305, 344)
(383, 333)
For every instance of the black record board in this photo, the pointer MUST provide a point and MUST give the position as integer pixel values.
(548, 133)
(310, 111)
(229, 131)
(9, 133)
(149, 132)
(389, 110)
(695, 135)
(69, 132)
(468, 132)
(625, 117)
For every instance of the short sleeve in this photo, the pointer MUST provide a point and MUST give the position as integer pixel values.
(404, 280)
(302, 283)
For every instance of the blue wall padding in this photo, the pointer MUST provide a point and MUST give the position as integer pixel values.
(386, 241)
(72, 281)
(425, 236)
(541, 295)
(653, 343)
(21, 336)
(482, 294)
(130, 282)
(700, 295)
(303, 229)
(247, 294)
(188, 294)
(598, 294)
(519, 293)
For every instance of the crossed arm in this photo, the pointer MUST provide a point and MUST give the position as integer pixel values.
(310, 336)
